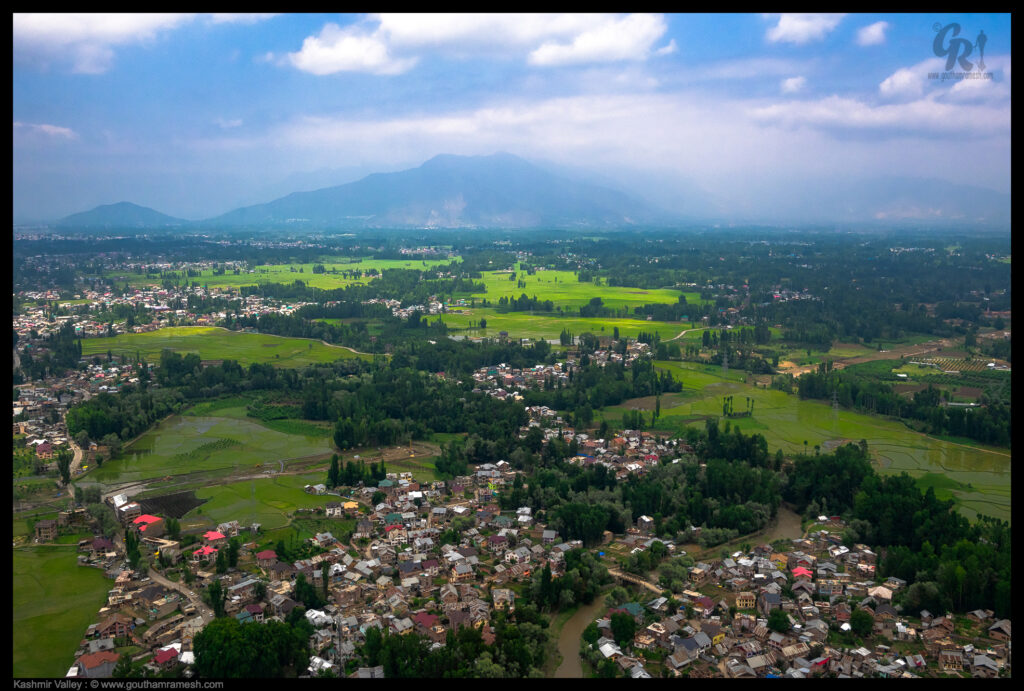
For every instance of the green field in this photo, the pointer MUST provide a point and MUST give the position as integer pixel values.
(214, 343)
(184, 444)
(267, 501)
(786, 422)
(549, 326)
(289, 273)
(55, 600)
(565, 290)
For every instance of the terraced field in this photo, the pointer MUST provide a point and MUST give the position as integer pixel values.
(982, 474)
(214, 343)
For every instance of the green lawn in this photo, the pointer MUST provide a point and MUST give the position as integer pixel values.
(183, 444)
(214, 343)
(786, 421)
(55, 600)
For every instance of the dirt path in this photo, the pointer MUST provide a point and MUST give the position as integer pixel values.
(686, 331)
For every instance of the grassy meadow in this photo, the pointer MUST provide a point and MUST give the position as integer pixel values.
(214, 343)
(55, 600)
(565, 290)
(228, 443)
(549, 326)
(267, 501)
(289, 273)
(979, 477)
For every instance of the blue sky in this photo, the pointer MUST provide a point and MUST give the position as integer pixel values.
(194, 115)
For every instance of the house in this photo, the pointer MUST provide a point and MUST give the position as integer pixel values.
(333, 509)
(215, 538)
(265, 558)
(504, 599)
(115, 626)
(980, 616)
(746, 600)
(983, 667)
(645, 524)
(203, 553)
(148, 526)
(46, 530)
(165, 658)
(951, 660)
(767, 602)
(96, 665)
(1000, 630)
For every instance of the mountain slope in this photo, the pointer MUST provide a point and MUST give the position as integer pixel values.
(454, 192)
(120, 215)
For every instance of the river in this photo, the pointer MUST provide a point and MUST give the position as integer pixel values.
(572, 634)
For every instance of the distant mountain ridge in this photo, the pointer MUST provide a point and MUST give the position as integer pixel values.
(497, 191)
(504, 191)
(120, 215)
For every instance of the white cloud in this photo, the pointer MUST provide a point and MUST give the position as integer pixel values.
(909, 82)
(669, 49)
(88, 39)
(85, 38)
(872, 34)
(387, 43)
(629, 38)
(792, 85)
(53, 131)
(801, 28)
(240, 17)
(347, 50)
(920, 116)
(228, 124)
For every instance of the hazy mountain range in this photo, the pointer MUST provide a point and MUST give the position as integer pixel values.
(504, 191)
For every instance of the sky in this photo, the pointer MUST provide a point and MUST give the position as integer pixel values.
(195, 115)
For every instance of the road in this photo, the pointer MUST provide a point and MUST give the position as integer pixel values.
(201, 607)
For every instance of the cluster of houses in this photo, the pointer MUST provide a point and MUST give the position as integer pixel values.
(503, 381)
(731, 599)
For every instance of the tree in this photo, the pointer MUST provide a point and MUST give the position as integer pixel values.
(778, 621)
(123, 667)
(483, 323)
(222, 561)
(861, 622)
(233, 547)
(173, 529)
(333, 473)
(216, 595)
(64, 457)
(623, 628)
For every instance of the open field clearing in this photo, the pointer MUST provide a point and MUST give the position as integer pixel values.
(54, 601)
(786, 422)
(549, 325)
(289, 273)
(184, 444)
(565, 290)
(215, 343)
(265, 501)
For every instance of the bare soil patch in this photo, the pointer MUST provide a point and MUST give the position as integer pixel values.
(171, 505)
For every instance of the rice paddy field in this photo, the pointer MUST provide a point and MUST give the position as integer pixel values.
(54, 602)
(224, 444)
(215, 343)
(547, 326)
(289, 273)
(565, 290)
(266, 501)
(977, 477)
